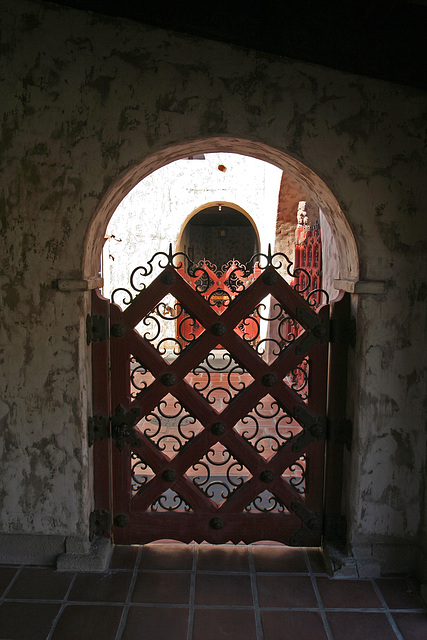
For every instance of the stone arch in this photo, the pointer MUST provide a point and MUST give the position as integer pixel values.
(310, 181)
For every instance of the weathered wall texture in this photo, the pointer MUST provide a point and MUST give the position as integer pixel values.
(90, 106)
(330, 258)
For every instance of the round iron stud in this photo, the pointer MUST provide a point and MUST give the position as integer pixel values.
(218, 329)
(168, 277)
(121, 520)
(118, 330)
(320, 331)
(268, 379)
(269, 278)
(316, 430)
(312, 524)
(168, 379)
(216, 523)
(169, 475)
(266, 476)
(218, 428)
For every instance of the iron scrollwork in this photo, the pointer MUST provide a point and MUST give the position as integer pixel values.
(170, 501)
(283, 328)
(140, 377)
(203, 378)
(314, 428)
(312, 523)
(218, 484)
(266, 502)
(140, 472)
(161, 260)
(169, 426)
(297, 474)
(267, 440)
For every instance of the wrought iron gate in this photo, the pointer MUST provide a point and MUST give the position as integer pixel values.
(216, 431)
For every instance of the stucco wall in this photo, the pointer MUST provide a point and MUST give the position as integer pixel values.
(91, 105)
(330, 258)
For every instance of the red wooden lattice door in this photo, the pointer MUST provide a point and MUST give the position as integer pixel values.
(207, 443)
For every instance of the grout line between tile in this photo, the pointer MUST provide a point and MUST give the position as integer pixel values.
(192, 607)
(387, 610)
(318, 598)
(320, 574)
(307, 562)
(61, 608)
(119, 603)
(192, 594)
(126, 607)
(395, 610)
(257, 612)
(330, 609)
(201, 571)
(162, 605)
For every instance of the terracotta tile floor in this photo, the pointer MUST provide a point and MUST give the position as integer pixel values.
(202, 592)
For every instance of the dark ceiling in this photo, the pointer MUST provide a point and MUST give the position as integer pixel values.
(376, 38)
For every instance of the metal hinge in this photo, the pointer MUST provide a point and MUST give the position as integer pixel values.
(321, 330)
(343, 331)
(98, 428)
(312, 523)
(122, 429)
(99, 523)
(320, 428)
(318, 330)
(314, 428)
(96, 328)
(340, 432)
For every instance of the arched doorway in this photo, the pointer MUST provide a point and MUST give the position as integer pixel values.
(219, 233)
(310, 181)
(303, 520)
(219, 239)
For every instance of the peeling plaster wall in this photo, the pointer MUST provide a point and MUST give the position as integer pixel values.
(87, 101)
(388, 455)
(330, 258)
